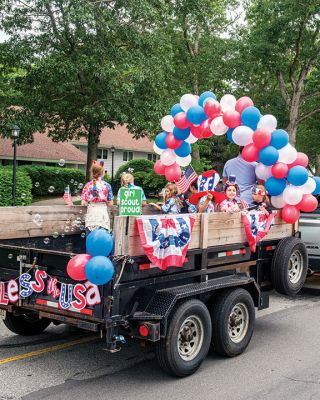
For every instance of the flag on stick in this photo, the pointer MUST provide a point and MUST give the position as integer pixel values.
(189, 176)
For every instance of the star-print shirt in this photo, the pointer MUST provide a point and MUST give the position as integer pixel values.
(171, 206)
(210, 206)
(97, 191)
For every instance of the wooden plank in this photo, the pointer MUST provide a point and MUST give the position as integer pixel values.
(203, 243)
(121, 239)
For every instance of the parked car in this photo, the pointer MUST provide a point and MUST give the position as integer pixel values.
(309, 226)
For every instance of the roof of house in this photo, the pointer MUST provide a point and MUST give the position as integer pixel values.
(120, 138)
(43, 148)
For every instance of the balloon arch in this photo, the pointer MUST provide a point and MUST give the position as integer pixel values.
(279, 164)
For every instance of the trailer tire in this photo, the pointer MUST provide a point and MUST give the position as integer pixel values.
(187, 341)
(25, 325)
(289, 266)
(232, 318)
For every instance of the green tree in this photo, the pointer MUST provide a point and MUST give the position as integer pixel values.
(282, 51)
(87, 65)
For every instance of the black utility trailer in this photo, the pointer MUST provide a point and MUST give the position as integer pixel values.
(209, 302)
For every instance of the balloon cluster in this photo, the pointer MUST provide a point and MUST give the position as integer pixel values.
(279, 164)
(95, 267)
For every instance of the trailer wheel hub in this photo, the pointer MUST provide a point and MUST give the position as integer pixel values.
(190, 338)
(295, 267)
(238, 322)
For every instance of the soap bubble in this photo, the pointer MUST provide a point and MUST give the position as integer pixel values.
(75, 183)
(57, 172)
(66, 229)
(82, 228)
(46, 240)
(61, 162)
(62, 235)
(37, 219)
(51, 189)
(80, 186)
(23, 195)
(72, 180)
(37, 184)
(83, 234)
(10, 256)
(55, 235)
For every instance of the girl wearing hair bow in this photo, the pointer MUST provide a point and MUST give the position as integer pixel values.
(97, 195)
(260, 199)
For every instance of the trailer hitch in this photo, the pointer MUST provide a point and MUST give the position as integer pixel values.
(113, 339)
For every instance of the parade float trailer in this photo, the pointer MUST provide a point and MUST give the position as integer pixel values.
(209, 301)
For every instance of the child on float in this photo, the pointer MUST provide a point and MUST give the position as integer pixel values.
(97, 195)
(127, 181)
(233, 203)
(260, 200)
(172, 204)
(203, 194)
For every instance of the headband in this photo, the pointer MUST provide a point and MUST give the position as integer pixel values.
(260, 192)
(101, 163)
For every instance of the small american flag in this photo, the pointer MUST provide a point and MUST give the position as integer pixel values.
(67, 196)
(189, 176)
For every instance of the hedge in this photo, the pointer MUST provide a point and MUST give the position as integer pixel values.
(53, 180)
(144, 176)
(23, 188)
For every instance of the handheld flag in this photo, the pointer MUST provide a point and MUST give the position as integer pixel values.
(189, 176)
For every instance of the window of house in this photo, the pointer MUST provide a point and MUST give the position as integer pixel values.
(102, 154)
(127, 155)
(152, 157)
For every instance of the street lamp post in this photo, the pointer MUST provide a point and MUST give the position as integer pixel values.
(14, 135)
(112, 162)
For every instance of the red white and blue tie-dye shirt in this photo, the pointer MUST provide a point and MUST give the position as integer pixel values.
(97, 191)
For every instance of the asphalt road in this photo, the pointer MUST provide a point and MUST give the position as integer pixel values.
(281, 362)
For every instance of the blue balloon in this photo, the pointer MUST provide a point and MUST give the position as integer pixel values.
(268, 155)
(183, 150)
(196, 115)
(250, 117)
(99, 243)
(317, 189)
(275, 186)
(176, 109)
(99, 270)
(206, 95)
(279, 138)
(181, 134)
(298, 175)
(160, 140)
(229, 135)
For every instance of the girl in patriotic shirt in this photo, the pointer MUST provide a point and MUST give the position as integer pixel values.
(172, 205)
(233, 202)
(260, 199)
(127, 181)
(97, 195)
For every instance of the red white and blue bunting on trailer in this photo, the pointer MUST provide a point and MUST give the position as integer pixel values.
(279, 164)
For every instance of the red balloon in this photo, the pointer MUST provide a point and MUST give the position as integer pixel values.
(76, 266)
(290, 214)
(232, 119)
(159, 168)
(173, 172)
(172, 142)
(250, 153)
(279, 170)
(196, 131)
(243, 103)
(205, 128)
(261, 138)
(302, 159)
(211, 108)
(308, 203)
(180, 120)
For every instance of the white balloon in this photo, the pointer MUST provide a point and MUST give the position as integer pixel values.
(228, 102)
(268, 122)
(277, 201)
(308, 187)
(242, 135)
(191, 139)
(287, 154)
(167, 123)
(188, 100)
(183, 161)
(263, 171)
(292, 195)
(157, 149)
(168, 157)
(218, 127)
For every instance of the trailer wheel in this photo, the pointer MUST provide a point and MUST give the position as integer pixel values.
(26, 324)
(232, 318)
(187, 342)
(289, 266)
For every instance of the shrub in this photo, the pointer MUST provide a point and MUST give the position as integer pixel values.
(53, 180)
(23, 188)
(144, 176)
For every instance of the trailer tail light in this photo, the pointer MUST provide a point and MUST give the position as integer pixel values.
(149, 331)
